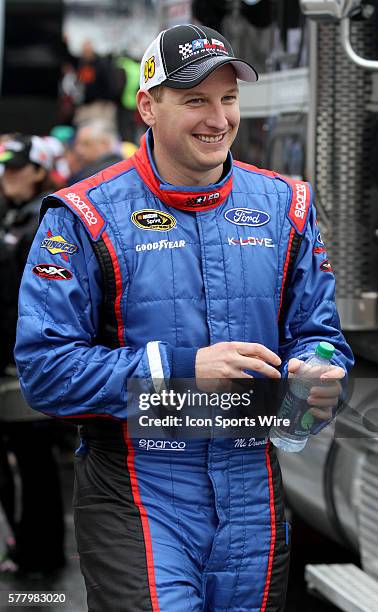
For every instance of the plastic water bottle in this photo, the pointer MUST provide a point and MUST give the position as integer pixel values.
(295, 407)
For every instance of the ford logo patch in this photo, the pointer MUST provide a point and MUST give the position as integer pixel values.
(247, 216)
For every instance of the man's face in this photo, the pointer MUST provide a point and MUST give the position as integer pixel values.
(19, 185)
(194, 128)
(89, 147)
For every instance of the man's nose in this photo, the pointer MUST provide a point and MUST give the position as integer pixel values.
(217, 117)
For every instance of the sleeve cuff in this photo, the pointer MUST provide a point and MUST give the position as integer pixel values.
(183, 362)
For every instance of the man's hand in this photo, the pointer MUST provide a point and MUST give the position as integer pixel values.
(229, 360)
(322, 399)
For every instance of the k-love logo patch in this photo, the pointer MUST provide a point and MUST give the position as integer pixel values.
(156, 220)
(247, 216)
(52, 272)
(252, 241)
(57, 245)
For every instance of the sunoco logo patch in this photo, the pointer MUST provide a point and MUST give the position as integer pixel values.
(57, 245)
(153, 220)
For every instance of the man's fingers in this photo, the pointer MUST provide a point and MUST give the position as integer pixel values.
(323, 402)
(232, 359)
(294, 365)
(323, 415)
(259, 351)
(257, 365)
(329, 390)
(334, 372)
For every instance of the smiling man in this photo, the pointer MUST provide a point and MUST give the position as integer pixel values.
(188, 265)
(195, 127)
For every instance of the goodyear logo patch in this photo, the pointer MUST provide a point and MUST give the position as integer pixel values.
(155, 220)
(57, 245)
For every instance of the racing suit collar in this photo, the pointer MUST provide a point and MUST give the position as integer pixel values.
(184, 198)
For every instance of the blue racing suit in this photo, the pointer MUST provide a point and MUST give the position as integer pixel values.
(127, 277)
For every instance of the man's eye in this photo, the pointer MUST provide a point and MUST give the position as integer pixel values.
(229, 98)
(195, 101)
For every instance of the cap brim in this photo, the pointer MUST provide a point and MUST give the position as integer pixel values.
(6, 156)
(193, 74)
(12, 160)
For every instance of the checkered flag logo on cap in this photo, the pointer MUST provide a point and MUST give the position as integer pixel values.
(186, 50)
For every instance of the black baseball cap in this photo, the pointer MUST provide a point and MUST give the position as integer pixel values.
(185, 55)
(20, 150)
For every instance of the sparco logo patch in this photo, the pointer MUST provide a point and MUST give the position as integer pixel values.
(325, 266)
(300, 200)
(162, 445)
(153, 220)
(247, 216)
(83, 207)
(299, 205)
(52, 272)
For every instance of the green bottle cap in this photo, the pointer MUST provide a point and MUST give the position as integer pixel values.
(325, 350)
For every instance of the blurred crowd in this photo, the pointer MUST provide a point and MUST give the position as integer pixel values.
(99, 127)
(94, 86)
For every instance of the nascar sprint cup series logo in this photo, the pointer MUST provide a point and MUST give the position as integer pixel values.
(150, 219)
(247, 216)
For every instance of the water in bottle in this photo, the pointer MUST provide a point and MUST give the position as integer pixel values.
(295, 407)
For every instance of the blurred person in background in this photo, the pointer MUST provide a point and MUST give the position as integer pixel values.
(127, 107)
(27, 163)
(96, 147)
(100, 88)
(69, 91)
(61, 139)
(38, 529)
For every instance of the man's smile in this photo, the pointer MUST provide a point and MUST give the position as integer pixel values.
(209, 139)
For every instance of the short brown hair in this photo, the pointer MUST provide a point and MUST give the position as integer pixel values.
(157, 92)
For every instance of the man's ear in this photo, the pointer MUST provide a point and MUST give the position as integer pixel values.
(146, 103)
